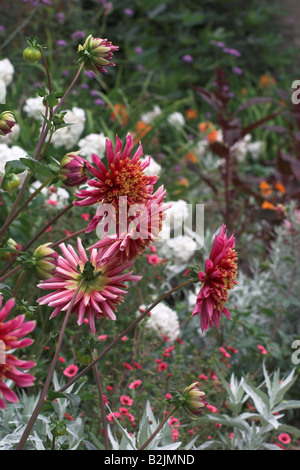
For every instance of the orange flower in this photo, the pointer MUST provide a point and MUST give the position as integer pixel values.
(212, 136)
(191, 157)
(142, 128)
(205, 126)
(191, 114)
(244, 91)
(183, 182)
(268, 205)
(279, 186)
(267, 81)
(265, 188)
(120, 112)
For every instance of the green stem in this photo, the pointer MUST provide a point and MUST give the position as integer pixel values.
(39, 233)
(68, 90)
(102, 404)
(123, 333)
(40, 402)
(159, 427)
(25, 204)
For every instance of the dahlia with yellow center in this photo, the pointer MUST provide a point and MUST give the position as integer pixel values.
(124, 178)
(102, 286)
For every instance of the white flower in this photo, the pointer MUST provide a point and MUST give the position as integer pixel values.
(68, 136)
(8, 154)
(164, 321)
(11, 136)
(179, 249)
(57, 198)
(6, 71)
(176, 215)
(150, 115)
(176, 119)
(2, 92)
(255, 148)
(92, 143)
(153, 169)
(34, 108)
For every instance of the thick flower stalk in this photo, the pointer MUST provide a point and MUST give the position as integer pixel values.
(7, 122)
(141, 231)
(96, 54)
(73, 169)
(12, 334)
(218, 278)
(101, 291)
(124, 179)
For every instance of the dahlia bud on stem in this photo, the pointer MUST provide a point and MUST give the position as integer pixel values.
(7, 122)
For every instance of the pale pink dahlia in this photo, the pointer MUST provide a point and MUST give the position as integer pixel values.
(218, 278)
(124, 178)
(142, 230)
(102, 289)
(12, 334)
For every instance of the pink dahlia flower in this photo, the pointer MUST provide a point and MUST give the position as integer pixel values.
(101, 291)
(218, 278)
(124, 178)
(137, 237)
(12, 334)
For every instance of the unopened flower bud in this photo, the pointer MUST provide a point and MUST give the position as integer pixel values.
(73, 169)
(96, 53)
(193, 401)
(8, 255)
(44, 261)
(32, 54)
(10, 182)
(7, 122)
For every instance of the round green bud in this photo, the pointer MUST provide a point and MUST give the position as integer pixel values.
(32, 54)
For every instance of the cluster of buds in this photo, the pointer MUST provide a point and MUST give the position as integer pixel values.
(73, 169)
(96, 53)
(7, 122)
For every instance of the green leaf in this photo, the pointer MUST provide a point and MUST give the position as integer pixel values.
(41, 92)
(14, 167)
(36, 166)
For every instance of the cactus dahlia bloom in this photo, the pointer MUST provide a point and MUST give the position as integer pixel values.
(12, 334)
(101, 291)
(96, 53)
(218, 279)
(138, 234)
(124, 178)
